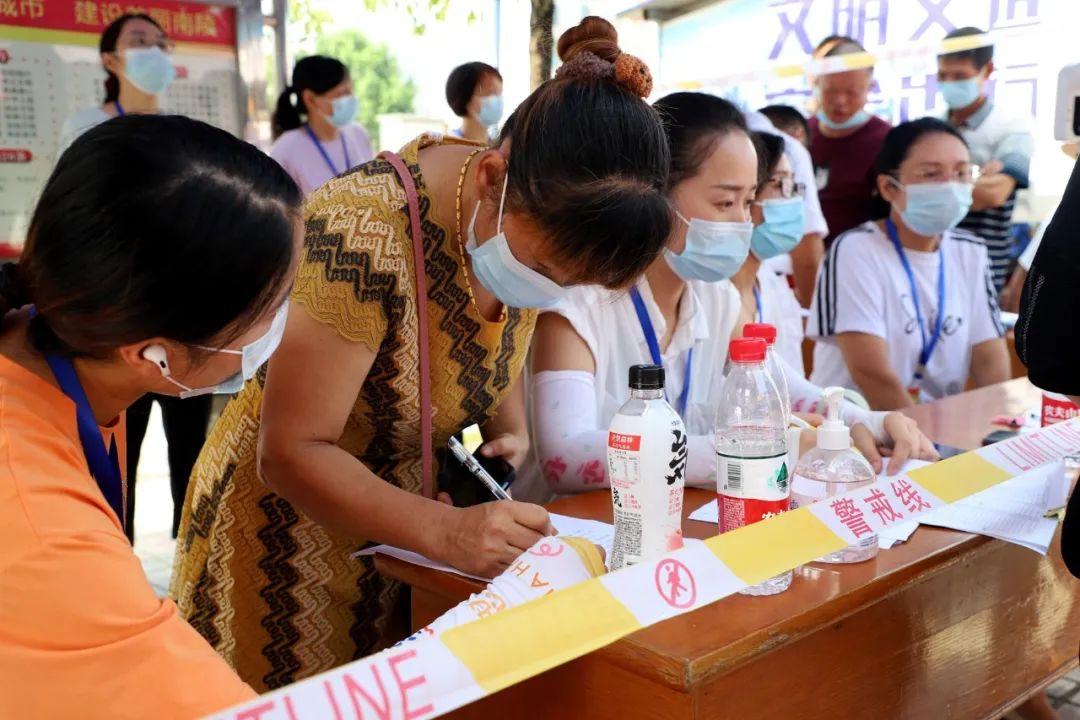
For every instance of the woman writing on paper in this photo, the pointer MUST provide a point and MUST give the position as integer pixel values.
(315, 136)
(905, 309)
(325, 450)
(584, 345)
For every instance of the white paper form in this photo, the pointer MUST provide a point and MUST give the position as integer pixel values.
(596, 532)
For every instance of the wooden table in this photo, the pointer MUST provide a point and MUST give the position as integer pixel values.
(947, 625)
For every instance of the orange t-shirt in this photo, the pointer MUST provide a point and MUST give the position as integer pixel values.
(81, 632)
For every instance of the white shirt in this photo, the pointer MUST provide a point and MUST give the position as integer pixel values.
(780, 309)
(79, 123)
(862, 288)
(1028, 256)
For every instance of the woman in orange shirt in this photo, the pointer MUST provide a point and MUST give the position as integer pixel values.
(159, 259)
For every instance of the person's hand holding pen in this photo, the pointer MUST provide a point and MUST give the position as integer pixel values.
(485, 539)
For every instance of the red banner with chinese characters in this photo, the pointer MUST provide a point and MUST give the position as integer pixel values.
(183, 22)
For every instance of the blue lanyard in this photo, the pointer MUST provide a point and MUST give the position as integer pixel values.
(104, 464)
(654, 346)
(119, 109)
(325, 156)
(927, 346)
(757, 301)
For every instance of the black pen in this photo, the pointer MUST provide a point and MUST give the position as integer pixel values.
(472, 465)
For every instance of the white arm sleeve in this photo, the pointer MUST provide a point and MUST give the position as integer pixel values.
(571, 446)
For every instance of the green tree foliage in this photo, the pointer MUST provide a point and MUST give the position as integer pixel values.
(377, 79)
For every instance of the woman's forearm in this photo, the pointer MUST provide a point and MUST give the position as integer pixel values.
(337, 491)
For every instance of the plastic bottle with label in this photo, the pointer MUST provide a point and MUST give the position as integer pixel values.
(767, 332)
(646, 457)
(751, 448)
(1057, 408)
(834, 468)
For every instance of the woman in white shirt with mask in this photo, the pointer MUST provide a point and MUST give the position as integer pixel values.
(137, 57)
(778, 227)
(583, 347)
(905, 309)
(315, 136)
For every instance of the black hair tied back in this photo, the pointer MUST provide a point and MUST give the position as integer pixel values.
(11, 296)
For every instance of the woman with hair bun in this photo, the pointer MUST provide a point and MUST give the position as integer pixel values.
(332, 448)
(316, 137)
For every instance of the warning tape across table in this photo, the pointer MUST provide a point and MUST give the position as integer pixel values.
(844, 63)
(437, 674)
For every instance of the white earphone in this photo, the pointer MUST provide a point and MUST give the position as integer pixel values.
(156, 354)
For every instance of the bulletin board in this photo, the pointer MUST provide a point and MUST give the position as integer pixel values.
(50, 68)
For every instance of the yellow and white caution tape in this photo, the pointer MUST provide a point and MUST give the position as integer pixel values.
(440, 672)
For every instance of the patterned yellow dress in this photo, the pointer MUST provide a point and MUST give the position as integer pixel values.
(277, 595)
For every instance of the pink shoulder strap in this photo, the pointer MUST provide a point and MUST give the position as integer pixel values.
(417, 232)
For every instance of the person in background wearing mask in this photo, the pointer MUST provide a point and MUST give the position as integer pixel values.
(1001, 145)
(803, 261)
(315, 136)
(844, 140)
(325, 451)
(905, 309)
(137, 57)
(777, 214)
(681, 314)
(474, 93)
(789, 120)
(122, 290)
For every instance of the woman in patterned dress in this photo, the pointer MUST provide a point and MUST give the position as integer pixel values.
(320, 453)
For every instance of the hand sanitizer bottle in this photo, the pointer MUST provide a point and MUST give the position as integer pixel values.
(833, 468)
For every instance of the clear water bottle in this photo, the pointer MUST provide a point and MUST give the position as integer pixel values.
(751, 448)
(646, 456)
(767, 332)
(834, 468)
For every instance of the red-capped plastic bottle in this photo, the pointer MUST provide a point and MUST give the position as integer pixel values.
(751, 447)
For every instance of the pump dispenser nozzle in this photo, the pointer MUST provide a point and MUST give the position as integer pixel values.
(833, 434)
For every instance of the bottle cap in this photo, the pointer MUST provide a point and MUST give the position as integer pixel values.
(646, 377)
(747, 350)
(765, 331)
(833, 433)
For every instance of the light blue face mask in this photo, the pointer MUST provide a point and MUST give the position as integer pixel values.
(253, 356)
(959, 93)
(343, 110)
(933, 208)
(149, 69)
(782, 229)
(491, 110)
(714, 250)
(503, 275)
(859, 118)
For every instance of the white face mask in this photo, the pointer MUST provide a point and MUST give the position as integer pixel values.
(254, 355)
(513, 283)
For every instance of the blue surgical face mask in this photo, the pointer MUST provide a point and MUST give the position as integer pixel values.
(933, 208)
(782, 229)
(149, 69)
(503, 275)
(491, 110)
(859, 118)
(343, 110)
(959, 93)
(254, 355)
(714, 250)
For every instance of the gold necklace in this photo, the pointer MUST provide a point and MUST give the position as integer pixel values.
(460, 234)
